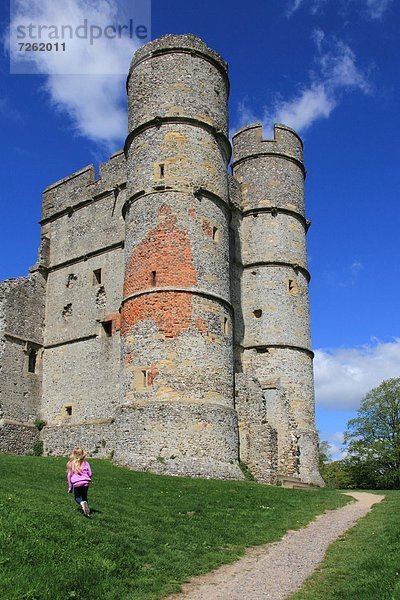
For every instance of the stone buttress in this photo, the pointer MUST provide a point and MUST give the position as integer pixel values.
(177, 413)
(275, 346)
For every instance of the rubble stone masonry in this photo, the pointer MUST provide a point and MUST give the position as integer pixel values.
(166, 322)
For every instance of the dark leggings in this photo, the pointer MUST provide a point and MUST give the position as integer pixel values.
(80, 493)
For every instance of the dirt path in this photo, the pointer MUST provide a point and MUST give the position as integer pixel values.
(275, 571)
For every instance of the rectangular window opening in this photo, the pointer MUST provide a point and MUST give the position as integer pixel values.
(107, 328)
(215, 234)
(32, 356)
(162, 171)
(226, 326)
(68, 411)
(97, 277)
(145, 379)
(153, 278)
(293, 287)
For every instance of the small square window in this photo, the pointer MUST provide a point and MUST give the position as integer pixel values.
(72, 278)
(225, 326)
(145, 378)
(97, 277)
(107, 328)
(293, 288)
(216, 236)
(68, 411)
(32, 357)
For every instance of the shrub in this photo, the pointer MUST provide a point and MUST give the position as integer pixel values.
(37, 448)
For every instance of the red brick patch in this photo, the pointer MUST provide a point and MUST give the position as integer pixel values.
(162, 259)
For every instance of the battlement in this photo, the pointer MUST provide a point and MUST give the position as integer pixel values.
(248, 142)
(176, 335)
(186, 42)
(83, 185)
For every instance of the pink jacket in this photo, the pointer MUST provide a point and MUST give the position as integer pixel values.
(81, 478)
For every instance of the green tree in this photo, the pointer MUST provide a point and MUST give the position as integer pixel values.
(373, 439)
(324, 452)
(333, 472)
(336, 474)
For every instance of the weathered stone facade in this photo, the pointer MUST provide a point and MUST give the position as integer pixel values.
(166, 322)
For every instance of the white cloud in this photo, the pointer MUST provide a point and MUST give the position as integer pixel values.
(314, 6)
(245, 115)
(373, 9)
(293, 7)
(344, 375)
(377, 8)
(344, 277)
(310, 105)
(95, 100)
(338, 65)
(95, 104)
(335, 72)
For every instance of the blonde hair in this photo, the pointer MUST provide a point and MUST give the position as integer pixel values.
(76, 459)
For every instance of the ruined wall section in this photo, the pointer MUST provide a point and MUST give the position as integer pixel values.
(84, 232)
(21, 341)
(276, 346)
(258, 440)
(177, 415)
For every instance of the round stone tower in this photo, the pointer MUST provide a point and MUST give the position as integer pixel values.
(177, 412)
(274, 291)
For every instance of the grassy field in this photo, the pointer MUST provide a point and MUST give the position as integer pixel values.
(364, 564)
(147, 534)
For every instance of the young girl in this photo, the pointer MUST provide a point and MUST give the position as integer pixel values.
(79, 476)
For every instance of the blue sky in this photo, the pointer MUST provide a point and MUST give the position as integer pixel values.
(328, 68)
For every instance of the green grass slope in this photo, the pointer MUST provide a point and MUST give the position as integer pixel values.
(147, 534)
(364, 564)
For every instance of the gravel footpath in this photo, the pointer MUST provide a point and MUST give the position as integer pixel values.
(275, 571)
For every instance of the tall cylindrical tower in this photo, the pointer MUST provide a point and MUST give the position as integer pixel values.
(177, 411)
(274, 290)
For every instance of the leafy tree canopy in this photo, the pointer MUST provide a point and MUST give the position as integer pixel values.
(373, 439)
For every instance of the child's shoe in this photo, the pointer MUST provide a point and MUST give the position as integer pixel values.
(85, 508)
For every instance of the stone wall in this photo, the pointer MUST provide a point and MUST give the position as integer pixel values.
(178, 439)
(84, 227)
(258, 440)
(274, 300)
(17, 437)
(97, 437)
(162, 278)
(176, 319)
(21, 342)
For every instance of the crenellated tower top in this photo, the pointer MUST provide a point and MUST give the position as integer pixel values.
(248, 142)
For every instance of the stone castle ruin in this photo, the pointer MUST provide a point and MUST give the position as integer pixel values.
(166, 322)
